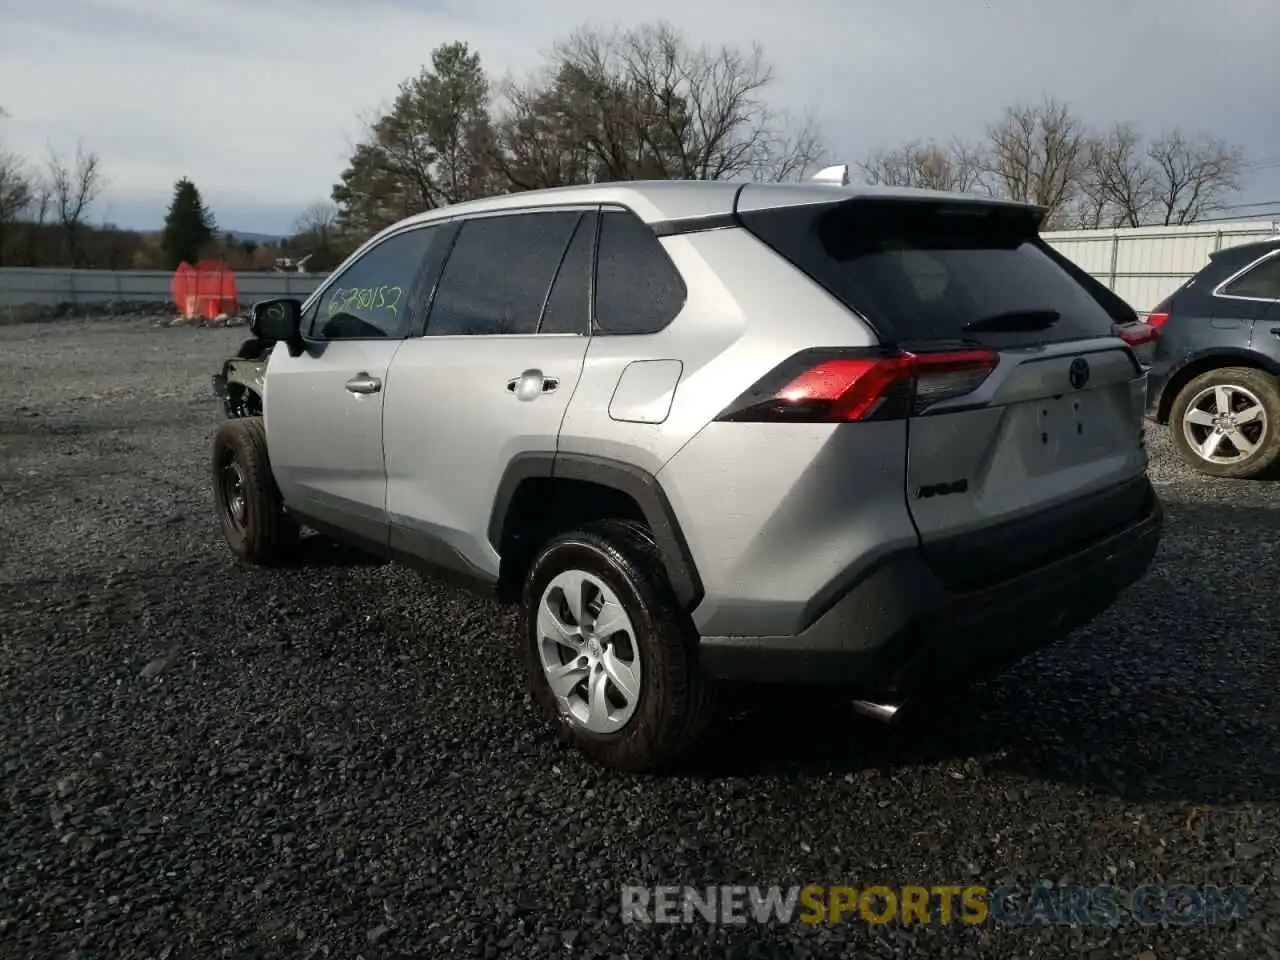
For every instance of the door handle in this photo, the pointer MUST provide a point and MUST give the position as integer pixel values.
(531, 384)
(1275, 331)
(363, 383)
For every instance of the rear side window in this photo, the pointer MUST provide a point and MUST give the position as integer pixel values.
(638, 288)
(499, 274)
(941, 271)
(1260, 283)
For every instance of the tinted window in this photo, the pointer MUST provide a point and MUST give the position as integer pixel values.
(499, 273)
(371, 299)
(1262, 282)
(638, 289)
(568, 307)
(927, 271)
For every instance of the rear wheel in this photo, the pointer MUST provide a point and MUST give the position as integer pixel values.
(1226, 422)
(609, 656)
(250, 509)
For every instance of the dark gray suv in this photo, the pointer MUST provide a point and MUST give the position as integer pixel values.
(1215, 371)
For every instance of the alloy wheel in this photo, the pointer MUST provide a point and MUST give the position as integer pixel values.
(588, 651)
(1225, 424)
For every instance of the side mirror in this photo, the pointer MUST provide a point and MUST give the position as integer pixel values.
(279, 320)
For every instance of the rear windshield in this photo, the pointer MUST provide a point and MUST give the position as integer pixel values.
(921, 270)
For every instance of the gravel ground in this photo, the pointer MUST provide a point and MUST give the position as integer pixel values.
(204, 760)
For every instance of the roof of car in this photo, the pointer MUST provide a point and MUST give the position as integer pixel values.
(656, 201)
(1247, 251)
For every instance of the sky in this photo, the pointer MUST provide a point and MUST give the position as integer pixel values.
(259, 101)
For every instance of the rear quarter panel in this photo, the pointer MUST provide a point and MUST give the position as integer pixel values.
(746, 311)
(775, 516)
(1203, 331)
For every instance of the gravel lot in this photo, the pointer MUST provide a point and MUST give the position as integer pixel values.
(204, 760)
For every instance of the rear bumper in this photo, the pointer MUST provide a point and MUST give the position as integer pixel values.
(900, 631)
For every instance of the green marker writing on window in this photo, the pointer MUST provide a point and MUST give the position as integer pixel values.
(385, 297)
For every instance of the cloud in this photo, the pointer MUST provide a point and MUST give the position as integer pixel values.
(259, 101)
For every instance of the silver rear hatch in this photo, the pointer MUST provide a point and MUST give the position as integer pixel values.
(1042, 450)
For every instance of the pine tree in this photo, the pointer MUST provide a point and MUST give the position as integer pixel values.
(188, 226)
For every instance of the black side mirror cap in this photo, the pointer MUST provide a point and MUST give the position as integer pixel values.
(279, 320)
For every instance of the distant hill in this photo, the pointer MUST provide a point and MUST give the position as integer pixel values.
(244, 235)
(252, 237)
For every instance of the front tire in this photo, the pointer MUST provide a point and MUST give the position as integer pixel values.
(250, 509)
(1226, 422)
(609, 655)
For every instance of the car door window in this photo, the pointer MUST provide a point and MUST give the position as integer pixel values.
(638, 289)
(568, 308)
(498, 276)
(373, 299)
(1260, 283)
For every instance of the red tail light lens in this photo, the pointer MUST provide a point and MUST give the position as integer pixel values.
(1157, 320)
(826, 386)
(1136, 334)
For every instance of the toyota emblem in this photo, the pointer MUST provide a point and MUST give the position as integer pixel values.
(1078, 374)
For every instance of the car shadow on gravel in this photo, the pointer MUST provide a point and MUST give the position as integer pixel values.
(1171, 695)
(1159, 750)
(315, 550)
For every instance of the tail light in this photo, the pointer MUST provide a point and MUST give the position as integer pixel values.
(1159, 314)
(1136, 334)
(835, 385)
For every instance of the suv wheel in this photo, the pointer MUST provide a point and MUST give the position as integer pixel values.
(1227, 422)
(248, 502)
(608, 654)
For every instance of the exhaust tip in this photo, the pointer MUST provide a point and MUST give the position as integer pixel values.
(884, 712)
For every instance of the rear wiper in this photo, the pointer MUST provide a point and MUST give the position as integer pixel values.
(1014, 320)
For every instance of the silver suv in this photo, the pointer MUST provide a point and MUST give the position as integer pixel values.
(708, 431)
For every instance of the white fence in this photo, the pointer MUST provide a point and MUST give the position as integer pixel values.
(1142, 264)
(25, 285)
(1146, 264)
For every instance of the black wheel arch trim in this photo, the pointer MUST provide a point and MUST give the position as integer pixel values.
(642, 486)
(1221, 357)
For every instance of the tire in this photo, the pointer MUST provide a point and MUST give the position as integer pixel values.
(252, 349)
(675, 700)
(1245, 389)
(258, 531)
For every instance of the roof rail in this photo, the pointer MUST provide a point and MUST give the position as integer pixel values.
(837, 176)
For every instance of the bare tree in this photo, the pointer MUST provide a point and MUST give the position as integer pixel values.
(1039, 153)
(34, 220)
(1131, 182)
(318, 219)
(16, 194)
(956, 167)
(1193, 176)
(792, 150)
(318, 234)
(73, 189)
(646, 104)
(541, 142)
(1123, 175)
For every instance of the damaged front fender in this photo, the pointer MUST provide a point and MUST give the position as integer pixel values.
(241, 384)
